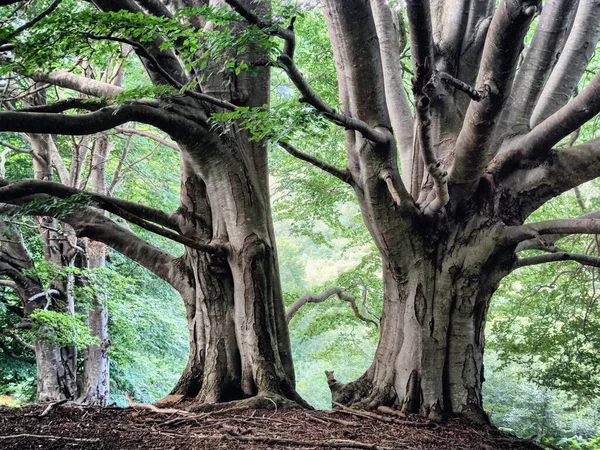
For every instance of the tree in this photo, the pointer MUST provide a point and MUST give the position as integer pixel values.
(479, 151)
(476, 162)
(474, 166)
(228, 276)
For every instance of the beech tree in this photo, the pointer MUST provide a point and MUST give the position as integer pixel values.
(445, 178)
(228, 276)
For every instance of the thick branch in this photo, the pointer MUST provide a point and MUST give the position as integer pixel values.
(342, 174)
(142, 216)
(88, 86)
(64, 105)
(319, 298)
(577, 53)
(563, 122)
(96, 226)
(547, 242)
(389, 26)
(529, 185)
(8, 283)
(421, 39)
(548, 41)
(499, 60)
(95, 122)
(516, 234)
(586, 260)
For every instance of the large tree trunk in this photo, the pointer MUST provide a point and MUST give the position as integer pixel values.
(430, 354)
(239, 346)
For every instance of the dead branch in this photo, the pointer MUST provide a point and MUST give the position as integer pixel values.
(52, 406)
(319, 298)
(461, 86)
(370, 415)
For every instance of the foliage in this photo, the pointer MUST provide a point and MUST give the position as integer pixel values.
(547, 318)
(61, 328)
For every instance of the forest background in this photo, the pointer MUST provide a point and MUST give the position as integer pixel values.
(543, 335)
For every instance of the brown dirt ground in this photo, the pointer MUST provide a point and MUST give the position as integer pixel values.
(72, 426)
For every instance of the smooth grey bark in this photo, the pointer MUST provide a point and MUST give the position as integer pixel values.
(442, 264)
(56, 365)
(96, 365)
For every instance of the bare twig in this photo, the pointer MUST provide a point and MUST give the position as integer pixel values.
(47, 436)
(342, 174)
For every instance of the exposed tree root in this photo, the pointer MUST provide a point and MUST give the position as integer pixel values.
(267, 400)
(362, 393)
(153, 408)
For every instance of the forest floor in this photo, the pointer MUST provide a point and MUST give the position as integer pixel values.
(70, 426)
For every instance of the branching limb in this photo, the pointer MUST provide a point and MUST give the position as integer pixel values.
(15, 148)
(571, 65)
(499, 61)
(97, 227)
(148, 135)
(548, 41)
(286, 34)
(547, 242)
(586, 260)
(8, 283)
(563, 122)
(342, 174)
(312, 98)
(390, 31)
(13, 192)
(517, 234)
(88, 86)
(18, 340)
(531, 184)
(419, 19)
(97, 121)
(65, 105)
(320, 298)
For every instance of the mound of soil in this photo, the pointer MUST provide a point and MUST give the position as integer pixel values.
(70, 426)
